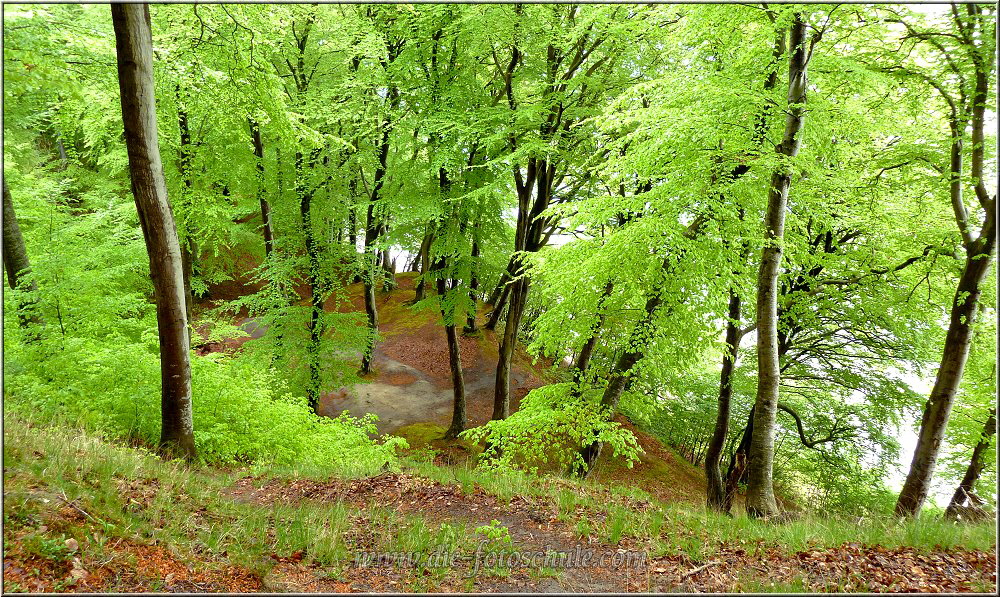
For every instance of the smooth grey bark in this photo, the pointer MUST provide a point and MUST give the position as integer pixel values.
(956, 352)
(979, 256)
(760, 484)
(134, 47)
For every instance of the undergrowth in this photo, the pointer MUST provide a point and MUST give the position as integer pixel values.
(129, 493)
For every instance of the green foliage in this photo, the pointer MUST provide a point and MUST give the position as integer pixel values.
(241, 413)
(665, 118)
(496, 535)
(548, 431)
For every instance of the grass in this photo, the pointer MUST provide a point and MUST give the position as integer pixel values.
(132, 495)
(126, 493)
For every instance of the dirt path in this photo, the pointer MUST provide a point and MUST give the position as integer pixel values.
(534, 527)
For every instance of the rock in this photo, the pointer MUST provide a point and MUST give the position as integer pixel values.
(78, 572)
(71, 544)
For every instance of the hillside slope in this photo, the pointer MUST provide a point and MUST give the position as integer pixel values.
(411, 386)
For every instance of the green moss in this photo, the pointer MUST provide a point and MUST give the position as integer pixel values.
(419, 435)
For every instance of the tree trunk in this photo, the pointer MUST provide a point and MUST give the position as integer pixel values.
(979, 253)
(265, 208)
(587, 351)
(736, 473)
(187, 241)
(956, 353)
(501, 388)
(134, 45)
(316, 290)
(975, 469)
(458, 417)
(498, 307)
(423, 256)
(760, 485)
(621, 374)
(15, 255)
(716, 490)
(503, 283)
(15, 260)
(374, 227)
(470, 320)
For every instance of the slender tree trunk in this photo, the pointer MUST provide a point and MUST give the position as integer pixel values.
(374, 226)
(15, 255)
(716, 490)
(621, 374)
(187, 241)
(423, 256)
(458, 417)
(458, 420)
(760, 486)
(316, 285)
(979, 254)
(587, 351)
(498, 307)
(956, 353)
(265, 208)
(470, 320)
(352, 220)
(501, 389)
(736, 473)
(134, 45)
(503, 283)
(975, 469)
(15, 260)
(389, 269)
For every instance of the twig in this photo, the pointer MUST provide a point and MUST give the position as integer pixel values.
(66, 500)
(699, 569)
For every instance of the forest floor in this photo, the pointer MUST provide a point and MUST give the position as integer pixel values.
(84, 514)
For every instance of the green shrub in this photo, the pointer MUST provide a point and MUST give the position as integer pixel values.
(242, 414)
(548, 431)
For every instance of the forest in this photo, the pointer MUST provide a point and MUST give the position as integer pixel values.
(301, 296)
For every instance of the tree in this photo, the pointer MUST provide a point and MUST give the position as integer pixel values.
(15, 258)
(975, 32)
(760, 489)
(265, 208)
(975, 470)
(134, 47)
(376, 215)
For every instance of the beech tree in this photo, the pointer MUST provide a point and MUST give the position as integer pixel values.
(15, 259)
(974, 33)
(134, 47)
